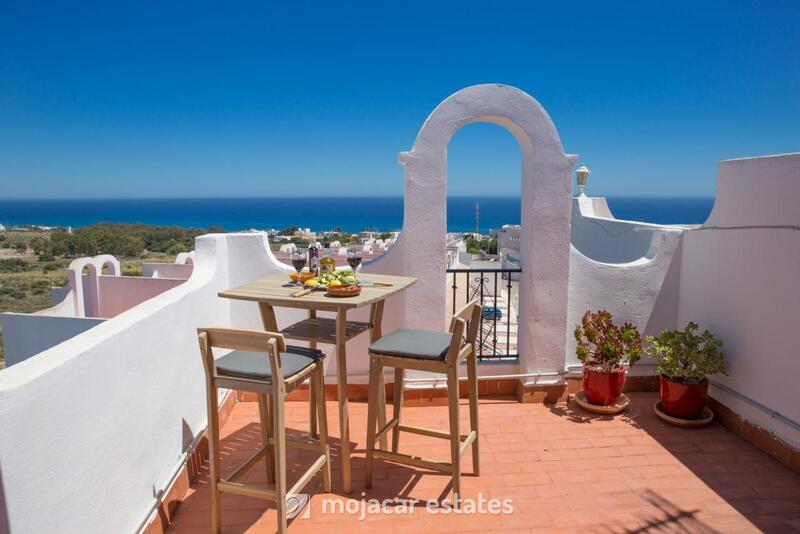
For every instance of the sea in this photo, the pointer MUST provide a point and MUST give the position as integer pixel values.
(350, 214)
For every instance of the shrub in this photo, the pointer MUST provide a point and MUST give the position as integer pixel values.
(40, 287)
(603, 346)
(14, 265)
(13, 292)
(176, 247)
(684, 356)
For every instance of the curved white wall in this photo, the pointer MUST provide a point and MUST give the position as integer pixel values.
(599, 236)
(639, 286)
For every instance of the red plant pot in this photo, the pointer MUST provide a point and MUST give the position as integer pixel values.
(685, 401)
(602, 388)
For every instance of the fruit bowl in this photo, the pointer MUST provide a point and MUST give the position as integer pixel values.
(336, 278)
(344, 291)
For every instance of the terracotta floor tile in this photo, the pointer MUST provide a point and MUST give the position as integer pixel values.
(562, 469)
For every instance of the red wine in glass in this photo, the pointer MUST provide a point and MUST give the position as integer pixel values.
(354, 260)
(298, 262)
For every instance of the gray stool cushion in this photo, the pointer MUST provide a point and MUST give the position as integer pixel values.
(256, 366)
(412, 343)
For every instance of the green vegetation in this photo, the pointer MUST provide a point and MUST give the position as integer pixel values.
(121, 240)
(487, 245)
(14, 265)
(685, 356)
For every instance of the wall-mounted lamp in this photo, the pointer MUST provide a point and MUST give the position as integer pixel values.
(582, 175)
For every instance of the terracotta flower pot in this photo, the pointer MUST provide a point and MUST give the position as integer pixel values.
(683, 400)
(603, 388)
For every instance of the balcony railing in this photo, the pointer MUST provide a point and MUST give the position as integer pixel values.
(496, 290)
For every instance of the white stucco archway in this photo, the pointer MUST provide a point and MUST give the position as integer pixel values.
(545, 239)
(102, 260)
(86, 291)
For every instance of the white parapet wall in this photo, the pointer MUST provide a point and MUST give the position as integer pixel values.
(95, 427)
(739, 278)
(180, 271)
(628, 268)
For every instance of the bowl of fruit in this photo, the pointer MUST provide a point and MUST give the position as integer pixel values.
(340, 283)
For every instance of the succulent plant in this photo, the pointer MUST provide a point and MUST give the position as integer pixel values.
(604, 346)
(685, 356)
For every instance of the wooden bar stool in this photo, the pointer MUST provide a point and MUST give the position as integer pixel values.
(260, 362)
(438, 352)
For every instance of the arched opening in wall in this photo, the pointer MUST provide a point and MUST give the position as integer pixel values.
(483, 223)
(108, 269)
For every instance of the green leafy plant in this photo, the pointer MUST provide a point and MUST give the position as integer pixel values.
(685, 356)
(604, 346)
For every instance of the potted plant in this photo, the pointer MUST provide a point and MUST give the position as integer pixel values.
(604, 347)
(685, 359)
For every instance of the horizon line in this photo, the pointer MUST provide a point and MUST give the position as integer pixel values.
(281, 197)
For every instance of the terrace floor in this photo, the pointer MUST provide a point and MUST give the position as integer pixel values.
(564, 469)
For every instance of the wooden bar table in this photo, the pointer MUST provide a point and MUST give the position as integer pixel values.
(276, 292)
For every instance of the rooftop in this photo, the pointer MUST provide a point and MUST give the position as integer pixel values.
(104, 429)
(562, 468)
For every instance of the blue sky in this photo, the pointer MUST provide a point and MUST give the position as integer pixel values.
(114, 99)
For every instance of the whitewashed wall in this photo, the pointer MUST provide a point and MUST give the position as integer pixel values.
(742, 281)
(94, 427)
(167, 270)
(628, 268)
(121, 293)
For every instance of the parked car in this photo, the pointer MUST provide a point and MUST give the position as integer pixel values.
(489, 313)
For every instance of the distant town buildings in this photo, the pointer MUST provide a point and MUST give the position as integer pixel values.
(304, 233)
(508, 245)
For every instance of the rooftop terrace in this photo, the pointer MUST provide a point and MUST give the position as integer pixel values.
(562, 468)
(103, 430)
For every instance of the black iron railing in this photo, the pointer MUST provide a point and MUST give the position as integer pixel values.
(498, 317)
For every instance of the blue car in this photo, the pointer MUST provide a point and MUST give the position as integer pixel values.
(489, 313)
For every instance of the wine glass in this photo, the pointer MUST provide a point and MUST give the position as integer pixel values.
(299, 260)
(354, 259)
